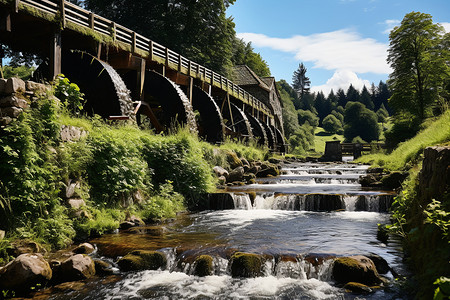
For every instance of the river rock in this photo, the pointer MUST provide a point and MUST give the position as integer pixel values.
(25, 246)
(203, 266)
(102, 267)
(249, 176)
(14, 85)
(76, 203)
(233, 160)
(254, 169)
(84, 248)
(71, 133)
(77, 267)
(246, 265)
(355, 269)
(268, 169)
(236, 174)
(142, 260)
(394, 180)
(37, 88)
(357, 288)
(219, 171)
(380, 263)
(25, 272)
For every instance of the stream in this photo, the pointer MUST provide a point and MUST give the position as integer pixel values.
(299, 221)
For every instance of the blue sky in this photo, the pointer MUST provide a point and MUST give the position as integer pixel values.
(339, 41)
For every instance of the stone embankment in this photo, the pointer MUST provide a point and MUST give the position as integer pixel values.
(17, 95)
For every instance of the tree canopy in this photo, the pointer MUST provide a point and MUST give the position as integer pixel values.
(420, 63)
(197, 29)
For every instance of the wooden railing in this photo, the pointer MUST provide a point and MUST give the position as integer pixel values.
(138, 43)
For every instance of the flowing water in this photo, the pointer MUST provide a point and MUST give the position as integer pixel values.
(288, 219)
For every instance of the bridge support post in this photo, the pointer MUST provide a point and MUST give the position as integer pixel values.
(55, 55)
(189, 88)
(141, 78)
(5, 21)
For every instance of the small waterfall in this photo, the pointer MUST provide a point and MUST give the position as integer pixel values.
(350, 202)
(123, 93)
(374, 203)
(242, 201)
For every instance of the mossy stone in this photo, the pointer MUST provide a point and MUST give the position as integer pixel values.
(233, 160)
(355, 269)
(357, 288)
(203, 265)
(246, 265)
(142, 260)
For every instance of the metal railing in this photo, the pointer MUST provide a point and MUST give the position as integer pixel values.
(69, 12)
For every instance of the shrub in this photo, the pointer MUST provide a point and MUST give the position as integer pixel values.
(164, 204)
(331, 124)
(307, 116)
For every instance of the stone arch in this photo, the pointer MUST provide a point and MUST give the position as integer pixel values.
(210, 122)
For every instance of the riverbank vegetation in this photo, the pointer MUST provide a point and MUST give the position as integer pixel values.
(111, 171)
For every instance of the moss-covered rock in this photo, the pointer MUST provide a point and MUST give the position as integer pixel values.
(142, 260)
(394, 180)
(355, 269)
(246, 265)
(268, 169)
(203, 266)
(357, 288)
(233, 160)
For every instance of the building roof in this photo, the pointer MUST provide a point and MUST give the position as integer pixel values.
(243, 75)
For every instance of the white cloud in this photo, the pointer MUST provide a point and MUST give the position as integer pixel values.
(337, 50)
(446, 26)
(390, 24)
(341, 79)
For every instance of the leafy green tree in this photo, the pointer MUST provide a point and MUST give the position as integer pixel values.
(23, 72)
(420, 63)
(339, 114)
(307, 116)
(243, 54)
(300, 82)
(360, 121)
(199, 30)
(332, 124)
(382, 114)
(290, 120)
(302, 140)
(322, 107)
(332, 100)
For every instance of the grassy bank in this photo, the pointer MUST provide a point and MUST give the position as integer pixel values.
(409, 153)
(422, 223)
(117, 170)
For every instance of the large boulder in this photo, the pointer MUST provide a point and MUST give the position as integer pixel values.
(25, 272)
(246, 265)
(219, 171)
(236, 174)
(77, 267)
(356, 269)
(142, 260)
(84, 248)
(233, 160)
(15, 85)
(268, 169)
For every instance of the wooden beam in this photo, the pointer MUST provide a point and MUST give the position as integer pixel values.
(133, 43)
(16, 6)
(141, 79)
(62, 10)
(5, 21)
(91, 21)
(190, 88)
(55, 54)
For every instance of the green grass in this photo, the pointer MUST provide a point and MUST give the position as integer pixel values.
(321, 137)
(408, 152)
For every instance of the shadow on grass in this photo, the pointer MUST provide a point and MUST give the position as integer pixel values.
(324, 133)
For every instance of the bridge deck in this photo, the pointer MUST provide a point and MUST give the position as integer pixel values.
(87, 23)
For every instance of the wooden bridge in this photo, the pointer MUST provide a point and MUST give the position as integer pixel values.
(335, 150)
(53, 29)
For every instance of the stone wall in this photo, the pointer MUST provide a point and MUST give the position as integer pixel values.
(434, 178)
(15, 96)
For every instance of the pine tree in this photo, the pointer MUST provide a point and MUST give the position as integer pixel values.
(366, 99)
(300, 82)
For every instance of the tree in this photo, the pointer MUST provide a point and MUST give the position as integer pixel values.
(366, 99)
(360, 121)
(300, 82)
(342, 98)
(199, 30)
(352, 94)
(420, 63)
(331, 124)
(321, 106)
(243, 54)
(307, 116)
(290, 119)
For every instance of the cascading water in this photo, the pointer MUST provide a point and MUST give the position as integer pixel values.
(298, 227)
(123, 93)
